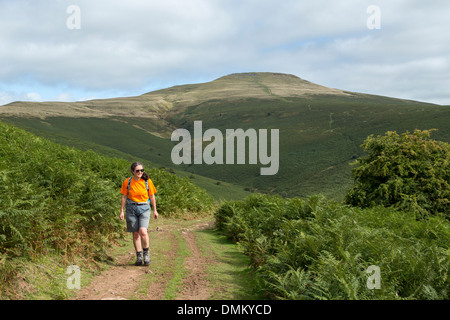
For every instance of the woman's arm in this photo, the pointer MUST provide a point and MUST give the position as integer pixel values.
(153, 202)
(124, 201)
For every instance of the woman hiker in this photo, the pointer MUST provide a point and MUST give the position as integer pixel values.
(136, 193)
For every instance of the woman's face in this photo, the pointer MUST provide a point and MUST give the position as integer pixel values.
(138, 171)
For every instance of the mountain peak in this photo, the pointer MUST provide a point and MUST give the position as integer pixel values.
(232, 87)
(272, 84)
(260, 74)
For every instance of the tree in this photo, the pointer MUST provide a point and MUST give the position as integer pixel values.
(410, 172)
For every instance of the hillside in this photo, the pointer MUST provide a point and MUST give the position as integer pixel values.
(155, 106)
(59, 208)
(320, 129)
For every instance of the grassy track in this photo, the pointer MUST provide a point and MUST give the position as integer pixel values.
(190, 260)
(229, 276)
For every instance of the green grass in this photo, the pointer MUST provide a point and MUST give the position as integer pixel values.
(116, 139)
(59, 202)
(45, 185)
(174, 285)
(230, 277)
(313, 158)
(161, 266)
(318, 249)
(228, 273)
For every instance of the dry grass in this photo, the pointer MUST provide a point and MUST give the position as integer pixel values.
(154, 105)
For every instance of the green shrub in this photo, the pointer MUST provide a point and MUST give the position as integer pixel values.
(315, 249)
(53, 196)
(179, 196)
(55, 200)
(410, 172)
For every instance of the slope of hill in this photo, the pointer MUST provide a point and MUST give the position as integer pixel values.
(154, 106)
(320, 129)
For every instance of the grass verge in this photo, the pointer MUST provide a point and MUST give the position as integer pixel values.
(230, 277)
(174, 285)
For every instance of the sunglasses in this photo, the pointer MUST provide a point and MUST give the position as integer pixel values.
(139, 170)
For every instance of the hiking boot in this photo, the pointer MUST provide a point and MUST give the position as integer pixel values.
(146, 258)
(138, 259)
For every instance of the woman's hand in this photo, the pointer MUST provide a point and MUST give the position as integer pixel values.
(153, 202)
(122, 208)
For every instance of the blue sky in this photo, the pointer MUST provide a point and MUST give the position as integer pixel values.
(126, 48)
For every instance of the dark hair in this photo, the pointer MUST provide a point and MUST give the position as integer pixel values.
(133, 167)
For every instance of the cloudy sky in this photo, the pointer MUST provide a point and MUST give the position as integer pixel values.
(69, 50)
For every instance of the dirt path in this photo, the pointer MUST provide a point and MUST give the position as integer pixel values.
(195, 285)
(124, 281)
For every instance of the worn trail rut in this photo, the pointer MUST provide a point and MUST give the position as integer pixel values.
(123, 280)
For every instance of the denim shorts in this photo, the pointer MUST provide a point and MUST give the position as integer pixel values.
(138, 216)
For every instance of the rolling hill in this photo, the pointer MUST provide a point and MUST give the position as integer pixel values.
(320, 129)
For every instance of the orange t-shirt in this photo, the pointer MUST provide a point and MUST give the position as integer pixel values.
(138, 191)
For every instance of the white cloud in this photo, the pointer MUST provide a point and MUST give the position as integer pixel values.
(5, 98)
(130, 46)
(31, 96)
(87, 98)
(8, 97)
(64, 97)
